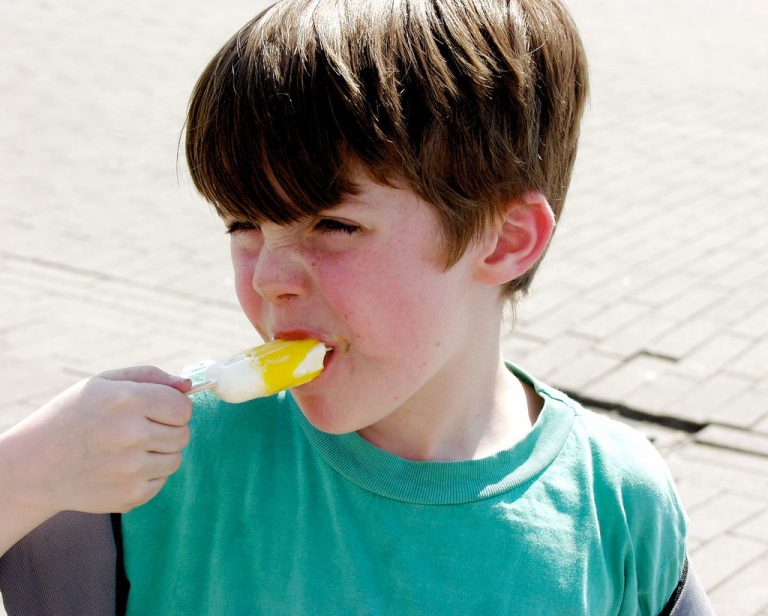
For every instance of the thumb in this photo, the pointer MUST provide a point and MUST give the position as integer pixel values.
(148, 374)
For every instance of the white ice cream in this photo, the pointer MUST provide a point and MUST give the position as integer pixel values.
(237, 379)
(312, 362)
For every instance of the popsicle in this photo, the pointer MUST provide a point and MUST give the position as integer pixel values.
(264, 370)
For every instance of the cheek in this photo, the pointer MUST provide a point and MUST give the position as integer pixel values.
(385, 304)
(242, 266)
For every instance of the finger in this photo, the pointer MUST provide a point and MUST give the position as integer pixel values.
(167, 406)
(146, 493)
(158, 403)
(148, 374)
(162, 438)
(162, 465)
(155, 485)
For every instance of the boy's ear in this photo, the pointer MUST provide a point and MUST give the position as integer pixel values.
(518, 239)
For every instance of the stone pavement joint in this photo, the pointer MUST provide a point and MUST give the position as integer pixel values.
(734, 438)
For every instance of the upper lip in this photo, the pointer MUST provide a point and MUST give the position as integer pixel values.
(302, 334)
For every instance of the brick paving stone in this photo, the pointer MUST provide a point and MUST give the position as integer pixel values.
(655, 396)
(755, 323)
(555, 275)
(615, 385)
(633, 337)
(735, 306)
(695, 493)
(622, 285)
(541, 301)
(753, 362)
(577, 375)
(612, 318)
(516, 347)
(710, 397)
(756, 527)
(713, 355)
(717, 261)
(664, 439)
(747, 274)
(755, 467)
(692, 302)
(733, 438)
(725, 555)
(579, 273)
(722, 513)
(733, 471)
(561, 351)
(745, 410)
(741, 594)
(684, 337)
(762, 425)
(664, 289)
(561, 319)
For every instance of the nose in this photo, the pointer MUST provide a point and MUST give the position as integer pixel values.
(279, 275)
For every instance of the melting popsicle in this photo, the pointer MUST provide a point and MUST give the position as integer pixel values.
(264, 370)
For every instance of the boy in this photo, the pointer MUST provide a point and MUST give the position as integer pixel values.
(390, 174)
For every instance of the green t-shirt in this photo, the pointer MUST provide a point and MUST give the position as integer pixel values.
(268, 515)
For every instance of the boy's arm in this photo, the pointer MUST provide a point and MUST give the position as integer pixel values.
(107, 444)
(689, 598)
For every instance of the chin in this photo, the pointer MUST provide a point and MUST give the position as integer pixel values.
(325, 416)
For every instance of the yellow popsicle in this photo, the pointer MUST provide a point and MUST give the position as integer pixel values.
(264, 370)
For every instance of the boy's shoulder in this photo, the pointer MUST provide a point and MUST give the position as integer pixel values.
(615, 452)
(622, 479)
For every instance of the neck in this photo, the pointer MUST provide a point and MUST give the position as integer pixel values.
(471, 409)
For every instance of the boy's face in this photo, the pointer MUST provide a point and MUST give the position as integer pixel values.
(365, 278)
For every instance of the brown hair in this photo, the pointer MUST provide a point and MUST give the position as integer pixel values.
(469, 102)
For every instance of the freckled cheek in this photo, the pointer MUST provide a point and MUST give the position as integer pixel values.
(243, 271)
(380, 308)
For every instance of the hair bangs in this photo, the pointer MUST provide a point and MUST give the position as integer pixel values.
(272, 135)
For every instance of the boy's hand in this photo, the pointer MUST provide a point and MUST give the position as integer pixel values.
(107, 444)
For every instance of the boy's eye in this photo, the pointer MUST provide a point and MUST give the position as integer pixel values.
(237, 225)
(330, 225)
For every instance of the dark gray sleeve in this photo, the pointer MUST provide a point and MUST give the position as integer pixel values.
(66, 566)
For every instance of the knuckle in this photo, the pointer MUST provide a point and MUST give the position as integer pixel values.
(182, 410)
(130, 434)
(185, 436)
(135, 496)
(176, 463)
(123, 399)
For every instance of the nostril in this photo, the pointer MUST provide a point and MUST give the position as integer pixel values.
(286, 296)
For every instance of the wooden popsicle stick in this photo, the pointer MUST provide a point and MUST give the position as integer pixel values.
(201, 387)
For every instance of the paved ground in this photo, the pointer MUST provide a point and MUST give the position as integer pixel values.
(653, 299)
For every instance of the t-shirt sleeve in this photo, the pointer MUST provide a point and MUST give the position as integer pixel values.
(653, 516)
(657, 525)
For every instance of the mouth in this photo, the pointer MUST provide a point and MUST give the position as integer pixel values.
(333, 344)
(328, 356)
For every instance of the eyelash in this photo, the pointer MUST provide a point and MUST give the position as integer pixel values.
(327, 226)
(331, 226)
(240, 226)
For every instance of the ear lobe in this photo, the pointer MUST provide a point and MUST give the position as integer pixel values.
(519, 240)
